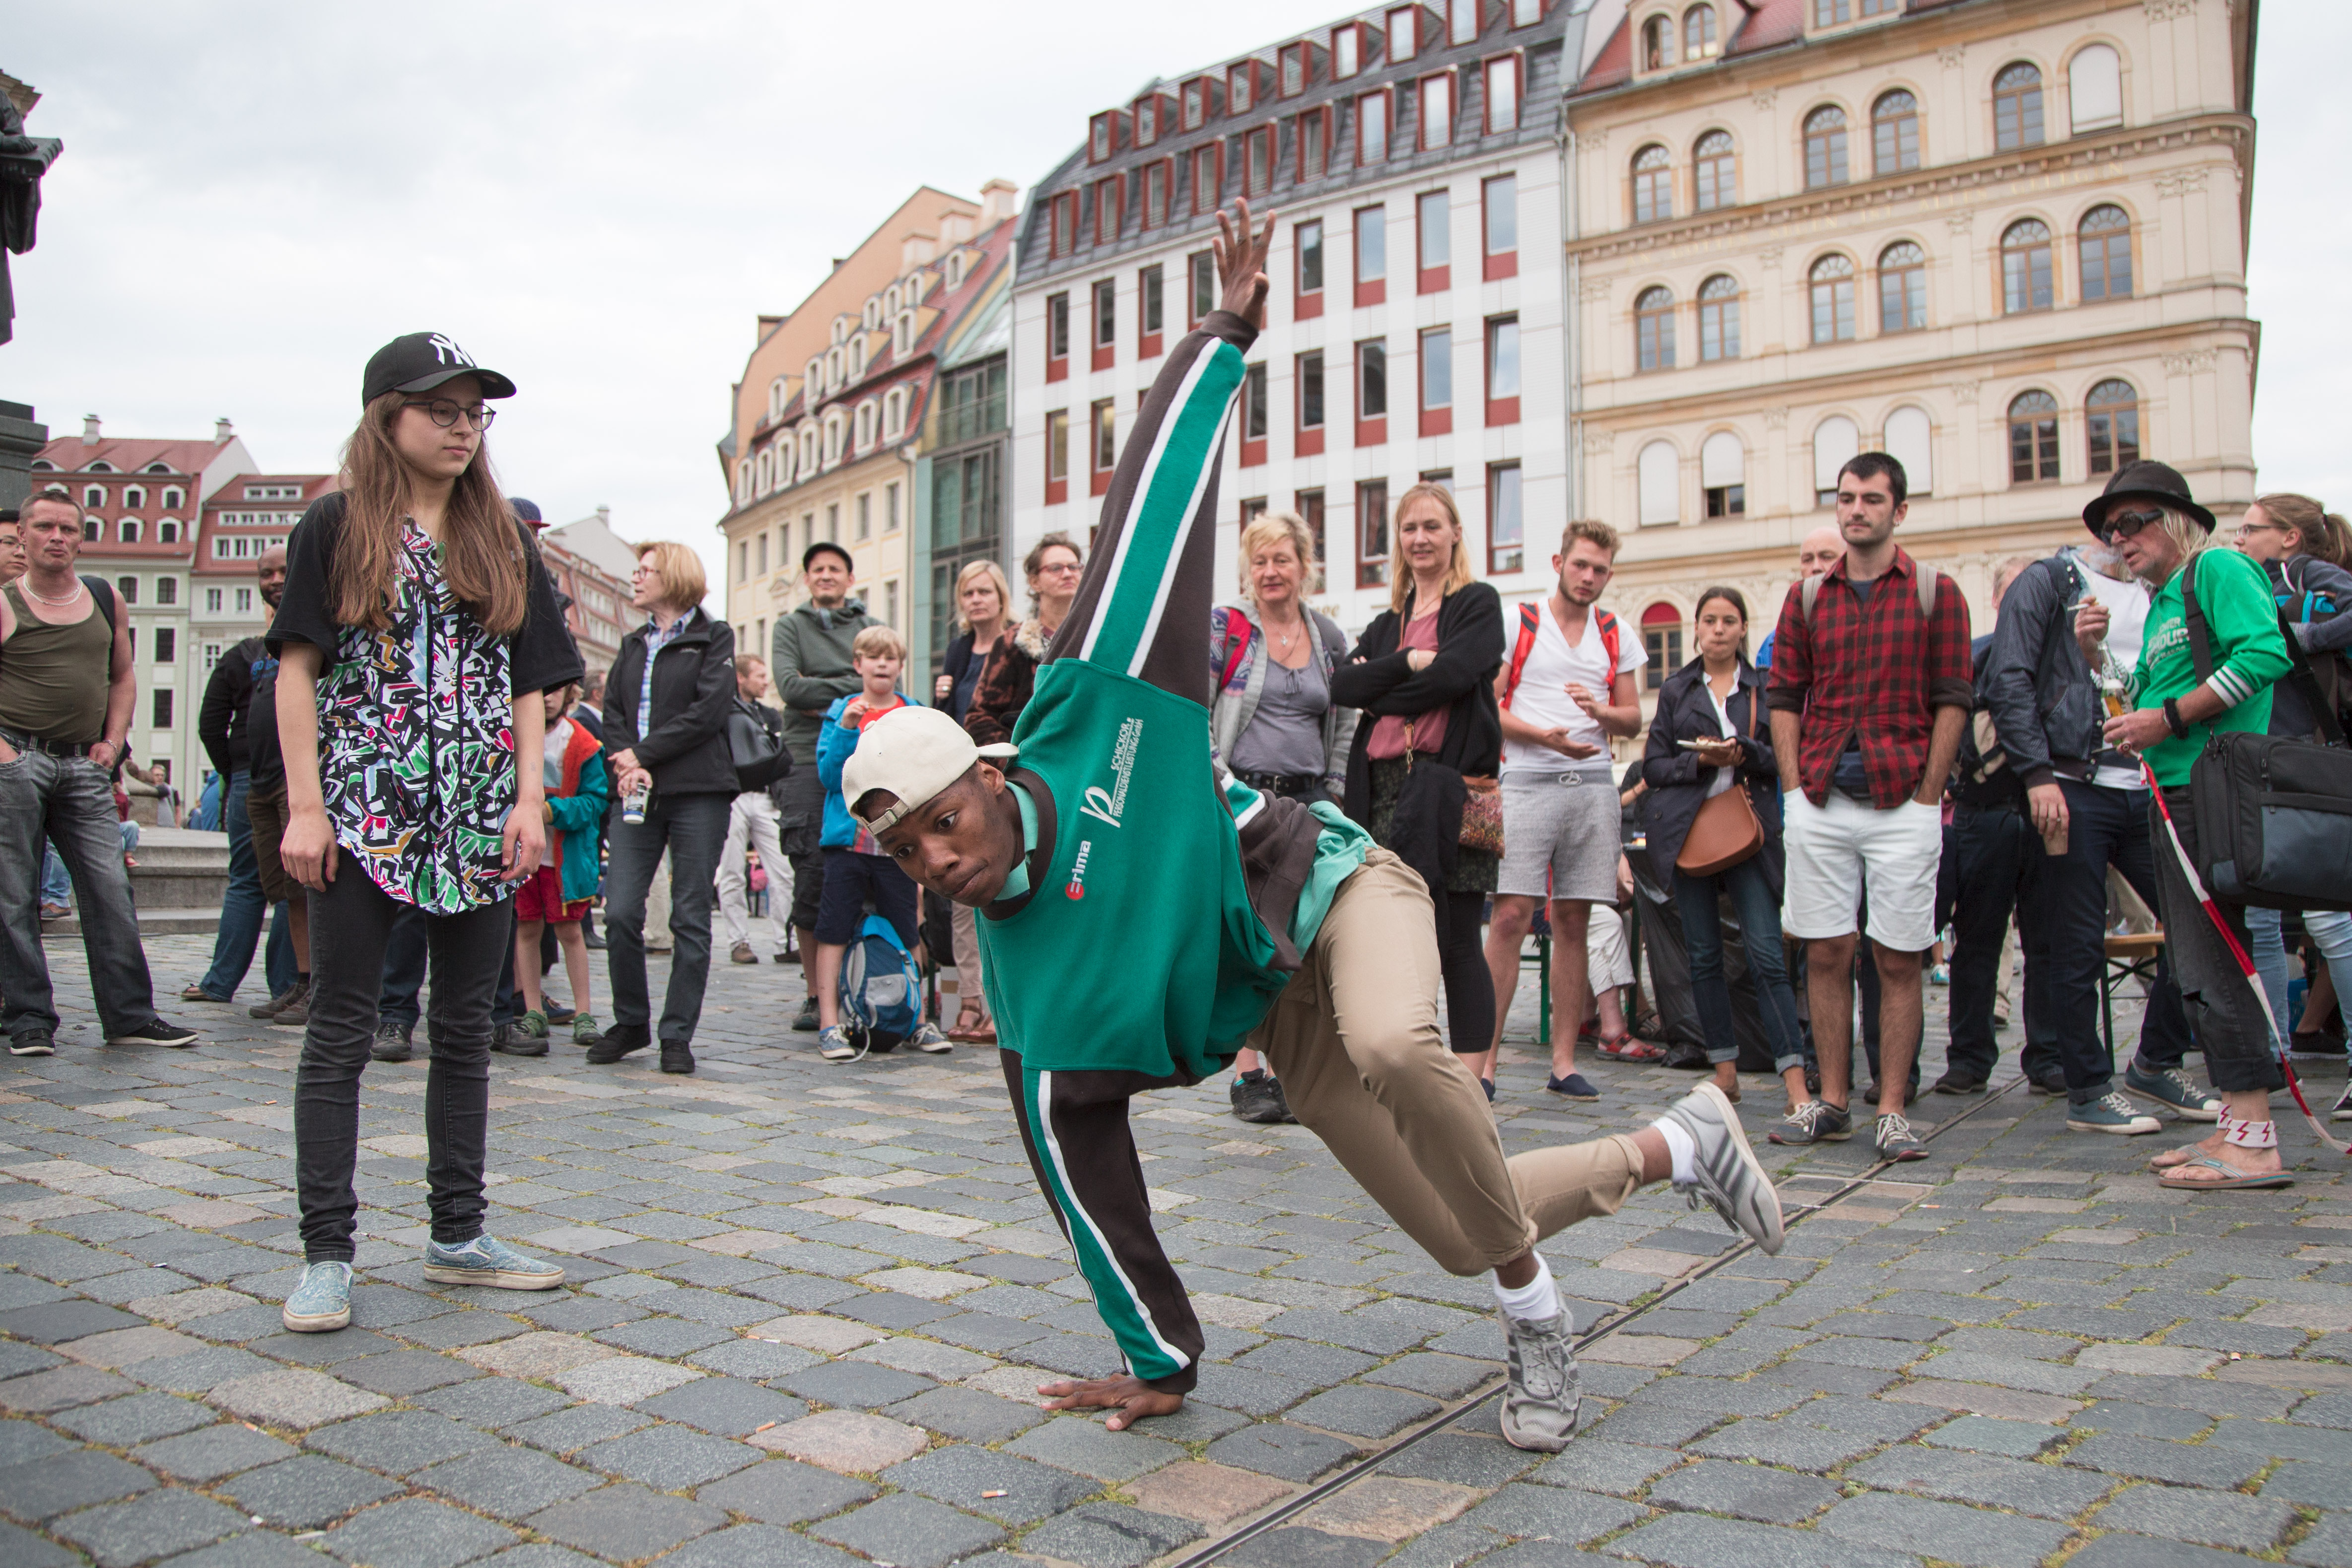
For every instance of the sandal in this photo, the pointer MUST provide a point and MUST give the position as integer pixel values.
(196, 993)
(1626, 1048)
(968, 1023)
(2230, 1179)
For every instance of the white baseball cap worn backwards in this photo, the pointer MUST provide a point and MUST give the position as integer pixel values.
(913, 753)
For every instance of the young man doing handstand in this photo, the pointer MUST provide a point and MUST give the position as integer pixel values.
(1142, 918)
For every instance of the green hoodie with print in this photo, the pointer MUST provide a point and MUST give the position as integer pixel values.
(2249, 654)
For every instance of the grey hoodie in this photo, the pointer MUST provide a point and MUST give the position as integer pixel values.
(809, 659)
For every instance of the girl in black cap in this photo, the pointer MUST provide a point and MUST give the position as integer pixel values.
(417, 630)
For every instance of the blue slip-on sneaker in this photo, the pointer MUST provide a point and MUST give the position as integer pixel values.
(487, 1261)
(1575, 1086)
(2111, 1113)
(321, 1302)
(2175, 1091)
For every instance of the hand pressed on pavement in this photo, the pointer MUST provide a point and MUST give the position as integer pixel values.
(1128, 1397)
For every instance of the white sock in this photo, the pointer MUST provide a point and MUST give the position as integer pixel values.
(1537, 1300)
(1680, 1145)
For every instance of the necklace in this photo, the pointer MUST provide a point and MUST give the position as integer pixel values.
(68, 599)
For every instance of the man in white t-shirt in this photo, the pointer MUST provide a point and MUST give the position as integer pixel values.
(1566, 689)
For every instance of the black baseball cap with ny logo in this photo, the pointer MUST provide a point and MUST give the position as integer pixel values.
(419, 361)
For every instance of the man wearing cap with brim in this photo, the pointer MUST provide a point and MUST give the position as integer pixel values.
(2164, 537)
(1143, 917)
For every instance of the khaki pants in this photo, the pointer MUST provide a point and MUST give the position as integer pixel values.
(1355, 1040)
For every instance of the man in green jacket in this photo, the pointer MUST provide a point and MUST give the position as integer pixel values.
(2148, 516)
(1143, 915)
(810, 663)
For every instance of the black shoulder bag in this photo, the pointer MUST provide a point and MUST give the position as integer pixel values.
(756, 747)
(2273, 812)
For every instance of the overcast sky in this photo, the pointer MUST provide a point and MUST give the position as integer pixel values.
(598, 198)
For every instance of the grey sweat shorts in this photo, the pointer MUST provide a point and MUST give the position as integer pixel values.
(1567, 830)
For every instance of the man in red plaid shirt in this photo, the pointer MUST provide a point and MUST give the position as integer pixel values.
(1871, 685)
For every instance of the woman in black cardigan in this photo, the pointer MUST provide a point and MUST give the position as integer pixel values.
(1716, 702)
(1424, 675)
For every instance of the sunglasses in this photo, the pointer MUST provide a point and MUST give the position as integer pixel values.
(2123, 525)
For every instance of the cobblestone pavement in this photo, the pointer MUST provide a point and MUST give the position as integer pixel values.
(807, 1304)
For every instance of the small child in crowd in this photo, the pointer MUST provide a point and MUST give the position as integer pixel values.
(855, 870)
(559, 892)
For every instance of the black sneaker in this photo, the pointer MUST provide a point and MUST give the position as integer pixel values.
(676, 1057)
(392, 1042)
(2050, 1083)
(508, 1040)
(1958, 1083)
(154, 1031)
(32, 1043)
(618, 1041)
(278, 1003)
(1896, 1141)
(806, 1020)
(1259, 1098)
(1814, 1122)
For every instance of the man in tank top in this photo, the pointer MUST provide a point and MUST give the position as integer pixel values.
(66, 692)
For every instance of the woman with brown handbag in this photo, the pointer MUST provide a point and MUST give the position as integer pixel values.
(1713, 816)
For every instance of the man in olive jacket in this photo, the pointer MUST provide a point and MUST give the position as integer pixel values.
(809, 659)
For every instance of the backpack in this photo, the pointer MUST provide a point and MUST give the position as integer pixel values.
(1923, 579)
(1981, 775)
(881, 989)
(1531, 622)
(1236, 643)
(2330, 676)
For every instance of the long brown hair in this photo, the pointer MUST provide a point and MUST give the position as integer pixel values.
(2324, 533)
(1457, 572)
(482, 551)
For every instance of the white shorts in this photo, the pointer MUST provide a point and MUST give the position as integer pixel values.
(1843, 849)
(1560, 836)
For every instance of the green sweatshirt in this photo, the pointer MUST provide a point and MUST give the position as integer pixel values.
(808, 660)
(2249, 654)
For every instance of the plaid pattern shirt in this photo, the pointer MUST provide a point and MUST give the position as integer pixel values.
(1875, 669)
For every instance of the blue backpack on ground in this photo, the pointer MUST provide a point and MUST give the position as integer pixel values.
(881, 989)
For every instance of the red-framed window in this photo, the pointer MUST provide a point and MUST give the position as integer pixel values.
(1159, 179)
(1499, 227)
(1200, 287)
(1057, 457)
(1308, 372)
(1151, 117)
(1372, 533)
(1063, 214)
(1208, 176)
(1245, 84)
(1308, 505)
(1195, 103)
(1506, 522)
(1375, 112)
(1372, 392)
(1437, 381)
(1257, 162)
(1102, 445)
(1254, 415)
(1662, 639)
(1349, 50)
(1435, 110)
(1110, 207)
(1371, 249)
(1293, 68)
(1503, 370)
(1307, 243)
(1058, 337)
(1526, 12)
(1433, 213)
(1151, 311)
(1314, 144)
(1403, 33)
(1506, 77)
(1103, 138)
(1104, 299)
(1462, 20)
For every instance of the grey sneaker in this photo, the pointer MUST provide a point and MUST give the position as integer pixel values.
(1896, 1141)
(2175, 1089)
(2111, 1113)
(487, 1261)
(1540, 1402)
(321, 1302)
(392, 1042)
(1725, 1170)
(930, 1040)
(1814, 1122)
(295, 1014)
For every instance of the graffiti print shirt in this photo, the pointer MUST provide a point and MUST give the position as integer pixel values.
(416, 753)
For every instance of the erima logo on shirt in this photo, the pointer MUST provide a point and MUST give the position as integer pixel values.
(1076, 888)
(1107, 804)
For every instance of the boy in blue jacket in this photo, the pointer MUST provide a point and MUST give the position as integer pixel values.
(856, 871)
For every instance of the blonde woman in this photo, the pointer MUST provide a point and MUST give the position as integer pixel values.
(1272, 722)
(983, 603)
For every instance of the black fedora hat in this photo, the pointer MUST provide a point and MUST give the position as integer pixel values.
(2156, 481)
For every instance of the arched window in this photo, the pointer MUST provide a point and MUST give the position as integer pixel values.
(1653, 329)
(1718, 319)
(902, 333)
(1902, 288)
(2112, 413)
(811, 382)
(894, 413)
(742, 485)
(871, 315)
(1825, 147)
(1698, 32)
(2095, 89)
(173, 496)
(835, 430)
(1723, 474)
(127, 531)
(890, 300)
(1714, 179)
(778, 396)
(1659, 472)
(1908, 433)
(2017, 107)
(90, 529)
(1654, 186)
(2025, 284)
(809, 457)
(1833, 289)
(867, 411)
(1835, 441)
(1657, 44)
(134, 494)
(167, 532)
(2033, 438)
(93, 496)
(1661, 635)
(2107, 254)
(1893, 133)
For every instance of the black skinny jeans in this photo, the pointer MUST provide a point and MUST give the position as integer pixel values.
(693, 828)
(2002, 870)
(1469, 984)
(351, 923)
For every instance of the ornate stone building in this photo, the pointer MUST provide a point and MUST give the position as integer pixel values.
(2003, 239)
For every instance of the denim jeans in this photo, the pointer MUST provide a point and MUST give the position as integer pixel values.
(57, 883)
(2001, 868)
(693, 828)
(350, 924)
(71, 801)
(2330, 931)
(1760, 934)
(242, 908)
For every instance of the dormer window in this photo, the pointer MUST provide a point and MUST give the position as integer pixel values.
(1196, 104)
(1526, 12)
(1147, 121)
(1241, 88)
(1294, 70)
(159, 468)
(812, 381)
(870, 318)
(1404, 35)
(1698, 32)
(1657, 44)
(1102, 136)
(1346, 51)
(1462, 21)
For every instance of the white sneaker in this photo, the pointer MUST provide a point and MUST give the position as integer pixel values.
(1725, 1170)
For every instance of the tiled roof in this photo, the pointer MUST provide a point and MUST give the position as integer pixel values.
(71, 455)
(1765, 24)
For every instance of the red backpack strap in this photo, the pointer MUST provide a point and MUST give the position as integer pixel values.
(1530, 618)
(1237, 644)
(1608, 641)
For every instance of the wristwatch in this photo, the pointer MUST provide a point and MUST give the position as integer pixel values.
(2172, 719)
